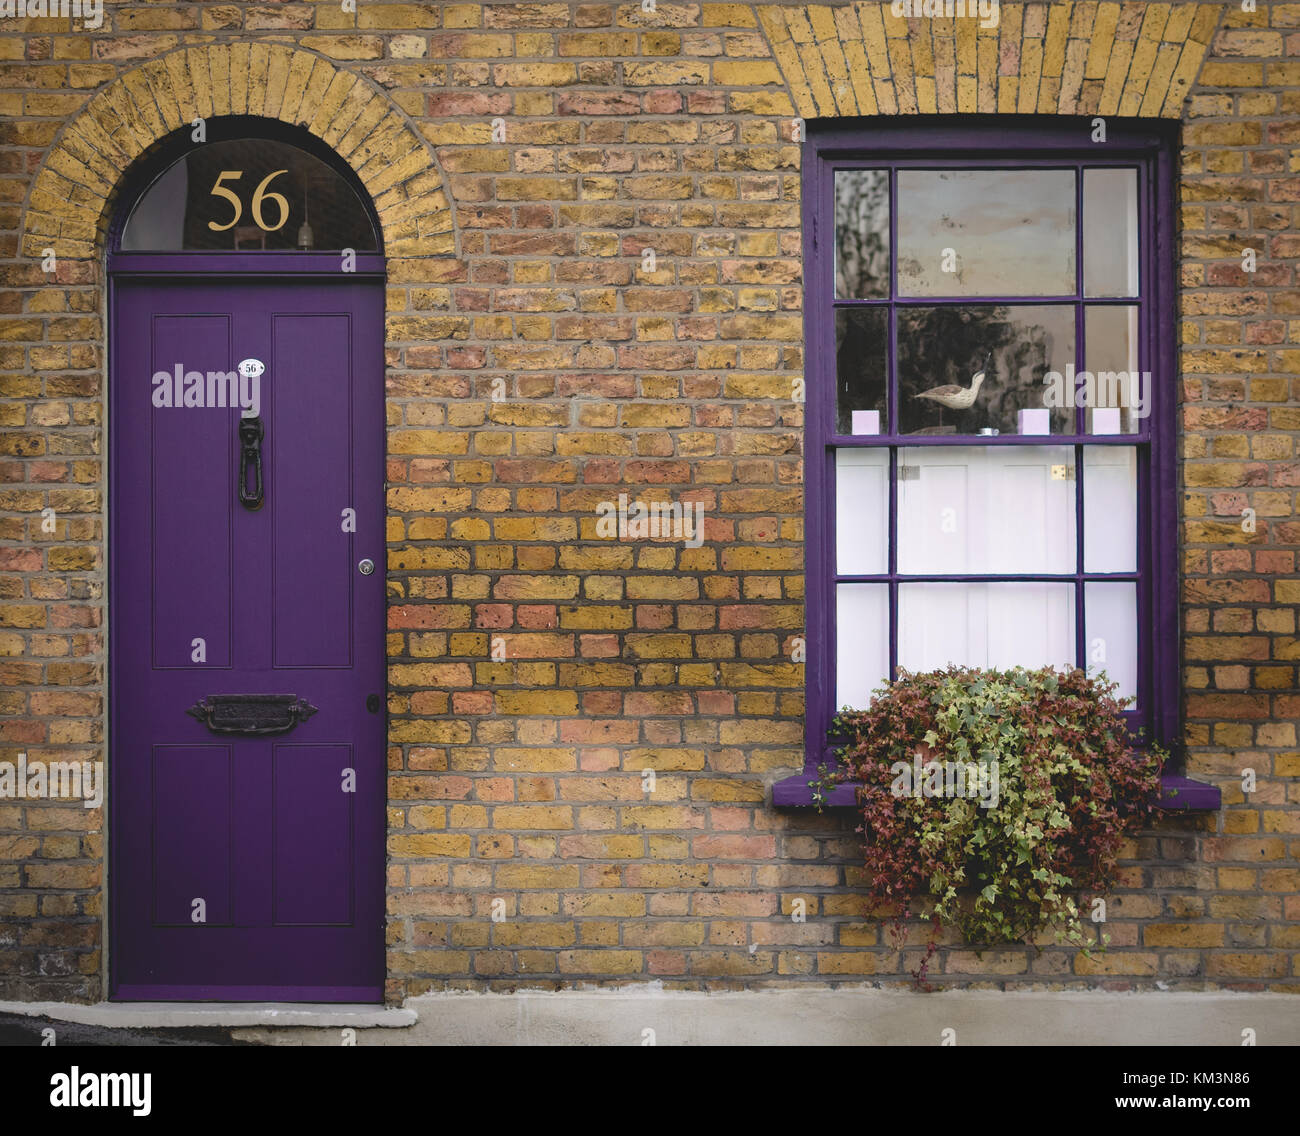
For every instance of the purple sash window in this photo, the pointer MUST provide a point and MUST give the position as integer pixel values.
(990, 397)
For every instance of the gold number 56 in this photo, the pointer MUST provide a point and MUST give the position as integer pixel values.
(260, 194)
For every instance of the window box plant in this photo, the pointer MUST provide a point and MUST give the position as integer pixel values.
(999, 800)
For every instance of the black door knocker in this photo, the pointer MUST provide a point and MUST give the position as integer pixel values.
(250, 452)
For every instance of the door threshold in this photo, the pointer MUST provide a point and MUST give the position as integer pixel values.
(159, 1015)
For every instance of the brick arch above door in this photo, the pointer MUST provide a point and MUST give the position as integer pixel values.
(1066, 57)
(68, 207)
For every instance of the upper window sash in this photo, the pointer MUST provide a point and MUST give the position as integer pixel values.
(1087, 311)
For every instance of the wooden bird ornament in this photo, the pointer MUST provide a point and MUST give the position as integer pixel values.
(955, 397)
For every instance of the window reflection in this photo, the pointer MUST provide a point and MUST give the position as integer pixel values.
(862, 234)
(1121, 394)
(1110, 236)
(862, 359)
(986, 232)
(942, 350)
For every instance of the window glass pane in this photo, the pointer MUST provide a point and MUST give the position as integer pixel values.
(986, 233)
(985, 625)
(199, 203)
(941, 350)
(1110, 619)
(861, 366)
(1110, 233)
(861, 512)
(1121, 394)
(986, 510)
(862, 642)
(861, 234)
(1110, 509)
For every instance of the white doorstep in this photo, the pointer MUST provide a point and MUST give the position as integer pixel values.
(160, 1015)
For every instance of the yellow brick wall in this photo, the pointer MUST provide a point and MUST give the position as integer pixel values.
(537, 366)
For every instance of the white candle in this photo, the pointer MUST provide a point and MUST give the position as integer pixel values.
(1105, 420)
(866, 422)
(1035, 421)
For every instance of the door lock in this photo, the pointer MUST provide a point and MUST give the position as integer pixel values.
(366, 567)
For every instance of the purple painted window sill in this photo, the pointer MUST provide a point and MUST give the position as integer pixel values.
(1176, 792)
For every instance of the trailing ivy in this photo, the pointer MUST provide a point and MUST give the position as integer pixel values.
(1071, 786)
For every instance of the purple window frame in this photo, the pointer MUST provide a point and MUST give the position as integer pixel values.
(1015, 143)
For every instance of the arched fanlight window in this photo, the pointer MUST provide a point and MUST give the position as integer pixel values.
(249, 194)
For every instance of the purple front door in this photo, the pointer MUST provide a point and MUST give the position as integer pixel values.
(247, 833)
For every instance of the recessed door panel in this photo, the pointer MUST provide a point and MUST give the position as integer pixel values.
(315, 516)
(313, 842)
(193, 798)
(191, 451)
